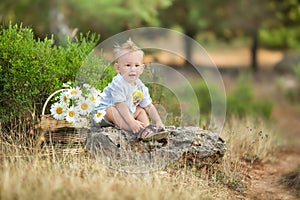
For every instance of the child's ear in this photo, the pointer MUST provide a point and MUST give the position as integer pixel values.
(117, 66)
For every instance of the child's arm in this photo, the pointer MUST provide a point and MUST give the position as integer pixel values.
(133, 124)
(153, 114)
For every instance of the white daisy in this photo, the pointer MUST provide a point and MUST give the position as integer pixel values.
(80, 122)
(99, 116)
(67, 84)
(95, 91)
(72, 114)
(58, 110)
(74, 93)
(84, 106)
(94, 99)
(87, 86)
(64, 98)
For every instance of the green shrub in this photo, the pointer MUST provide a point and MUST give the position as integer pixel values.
(241, 101)
(96, 72)
(296, 70)
(32, 69)
(281, 38)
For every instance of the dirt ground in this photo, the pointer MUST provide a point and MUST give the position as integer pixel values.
(265, 178)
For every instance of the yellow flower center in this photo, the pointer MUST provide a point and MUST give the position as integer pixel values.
(84, 106)
(71, 113)
(73, 92)
(65, 99)
(92, 98)
(99, 114)
(59, 110)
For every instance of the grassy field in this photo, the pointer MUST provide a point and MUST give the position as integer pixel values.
(30, 173)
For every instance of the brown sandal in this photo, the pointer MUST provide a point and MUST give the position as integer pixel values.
(151, 133)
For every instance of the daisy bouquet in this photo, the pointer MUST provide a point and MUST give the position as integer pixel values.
(76, 105)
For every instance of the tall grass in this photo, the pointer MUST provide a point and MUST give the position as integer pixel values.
(250, 141)
(38, 176)
(31, 173)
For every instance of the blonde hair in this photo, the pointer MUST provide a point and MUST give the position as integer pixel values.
(127, 47)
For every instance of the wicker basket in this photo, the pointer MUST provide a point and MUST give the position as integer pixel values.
(60, 131)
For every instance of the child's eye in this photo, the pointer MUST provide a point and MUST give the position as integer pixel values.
(137, 65)
(128, 65)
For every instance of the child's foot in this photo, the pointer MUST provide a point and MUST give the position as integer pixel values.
(151, 133)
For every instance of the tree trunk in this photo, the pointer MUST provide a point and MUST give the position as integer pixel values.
(58, 26)
(188, 50)
(52, 18)
(188, 47)
(254, 48)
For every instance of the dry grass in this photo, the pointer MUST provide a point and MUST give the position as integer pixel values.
(56, 176)
(249, 141)
(252, 139)
(34, 174)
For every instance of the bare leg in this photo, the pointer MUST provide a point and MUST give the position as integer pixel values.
(113, 115)
(141, 115)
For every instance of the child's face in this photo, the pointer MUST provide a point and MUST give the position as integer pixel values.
(130, 66)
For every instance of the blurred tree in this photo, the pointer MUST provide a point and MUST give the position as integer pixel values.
(288, 12)
(27, 12)
(227, 18)
(285, 35)
(58, 24)
(245, 17)
(190, 15)
(109, 17)
(249, 16)
(106, 17)
(44, 17)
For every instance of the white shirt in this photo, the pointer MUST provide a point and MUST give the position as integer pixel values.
(119, 90)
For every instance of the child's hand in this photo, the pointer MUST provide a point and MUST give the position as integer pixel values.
(136, 126)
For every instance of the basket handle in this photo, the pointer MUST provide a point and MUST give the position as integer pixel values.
(54, 93)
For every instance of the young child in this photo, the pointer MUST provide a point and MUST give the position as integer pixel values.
(126, 99)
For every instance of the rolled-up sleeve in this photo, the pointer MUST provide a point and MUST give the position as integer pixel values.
(146, 98)
(118, 94)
